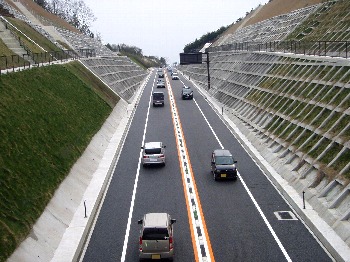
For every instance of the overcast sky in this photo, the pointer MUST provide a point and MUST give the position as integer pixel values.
(162, 28)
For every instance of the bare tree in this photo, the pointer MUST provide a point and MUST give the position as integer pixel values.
(75, 12)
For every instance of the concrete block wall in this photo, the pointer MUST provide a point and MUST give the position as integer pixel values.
(296, 111)
(273, 29)
(81, 41)
(121, 74)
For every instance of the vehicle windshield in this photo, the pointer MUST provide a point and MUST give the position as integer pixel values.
(224, 160)
(152, 151)
(155, 233)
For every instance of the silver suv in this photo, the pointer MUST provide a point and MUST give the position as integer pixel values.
(156, 236)
(153, 153)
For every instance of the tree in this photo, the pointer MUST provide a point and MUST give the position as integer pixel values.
(75, 12)
(42, 3)
(207, 38)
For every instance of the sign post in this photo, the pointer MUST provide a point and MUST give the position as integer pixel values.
(195, 58)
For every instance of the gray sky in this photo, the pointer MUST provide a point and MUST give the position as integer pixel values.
(163, 28)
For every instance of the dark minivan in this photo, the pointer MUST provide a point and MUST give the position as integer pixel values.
(223, 165)
(158, 98)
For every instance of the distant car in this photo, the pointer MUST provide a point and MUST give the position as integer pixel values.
(153, 153)
(161, 74)
(156, 240)
(158, 98)
(160, 84)
(223, 165)
(187, 93)
(175, 76)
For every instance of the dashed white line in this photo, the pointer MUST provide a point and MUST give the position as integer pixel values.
(126, 238)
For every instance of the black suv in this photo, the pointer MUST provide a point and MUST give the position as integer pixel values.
(223, 165)
(187, 93)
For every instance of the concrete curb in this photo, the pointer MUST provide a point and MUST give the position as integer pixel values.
(74, 238)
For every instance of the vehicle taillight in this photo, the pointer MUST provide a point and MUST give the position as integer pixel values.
(140, 243)
(161, 156)
(145, 156)
(170, 243)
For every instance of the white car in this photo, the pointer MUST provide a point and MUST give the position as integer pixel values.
(175, 76)
(153, 153)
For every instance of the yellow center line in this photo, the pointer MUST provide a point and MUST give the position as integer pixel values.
(199, 233)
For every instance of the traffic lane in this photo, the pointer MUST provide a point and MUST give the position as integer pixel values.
(233, 223)
(107, 239)
(160, 188)
(290, 232)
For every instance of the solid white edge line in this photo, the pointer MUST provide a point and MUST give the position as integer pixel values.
(127, 232)
(82, 255)
(211, 128)
(252, 197)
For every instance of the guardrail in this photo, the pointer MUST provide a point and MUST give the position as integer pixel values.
(14, 62)
(320, 48)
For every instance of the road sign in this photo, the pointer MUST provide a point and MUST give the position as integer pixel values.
(190, 58)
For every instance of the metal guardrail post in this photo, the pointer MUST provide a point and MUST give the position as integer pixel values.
(346, 49)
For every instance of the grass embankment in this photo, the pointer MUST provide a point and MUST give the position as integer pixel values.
(48, 116)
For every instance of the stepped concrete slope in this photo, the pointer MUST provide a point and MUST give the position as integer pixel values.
(121, 74)
(49, 29)
(295, 110)
(10, 41)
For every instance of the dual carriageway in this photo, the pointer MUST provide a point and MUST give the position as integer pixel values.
(242, 220)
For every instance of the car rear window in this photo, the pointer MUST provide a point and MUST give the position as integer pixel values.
(158, 96)
(155, 233)
(152, 151)
(224, 160)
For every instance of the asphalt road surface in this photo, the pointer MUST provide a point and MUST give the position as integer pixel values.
(242, 220)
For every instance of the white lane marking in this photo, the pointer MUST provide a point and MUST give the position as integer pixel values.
(251, 196)
(108, 184)
(127, 233)
(206, 120)
(197, 217)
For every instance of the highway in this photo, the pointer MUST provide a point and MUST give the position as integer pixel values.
(236, 220)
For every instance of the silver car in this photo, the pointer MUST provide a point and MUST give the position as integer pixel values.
(156, 236)
(153, 153)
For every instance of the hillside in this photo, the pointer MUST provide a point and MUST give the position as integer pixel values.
(267, 11)
(285, 83)
(293, 107)
(46, 123)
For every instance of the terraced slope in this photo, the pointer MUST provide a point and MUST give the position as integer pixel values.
(294, 107)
